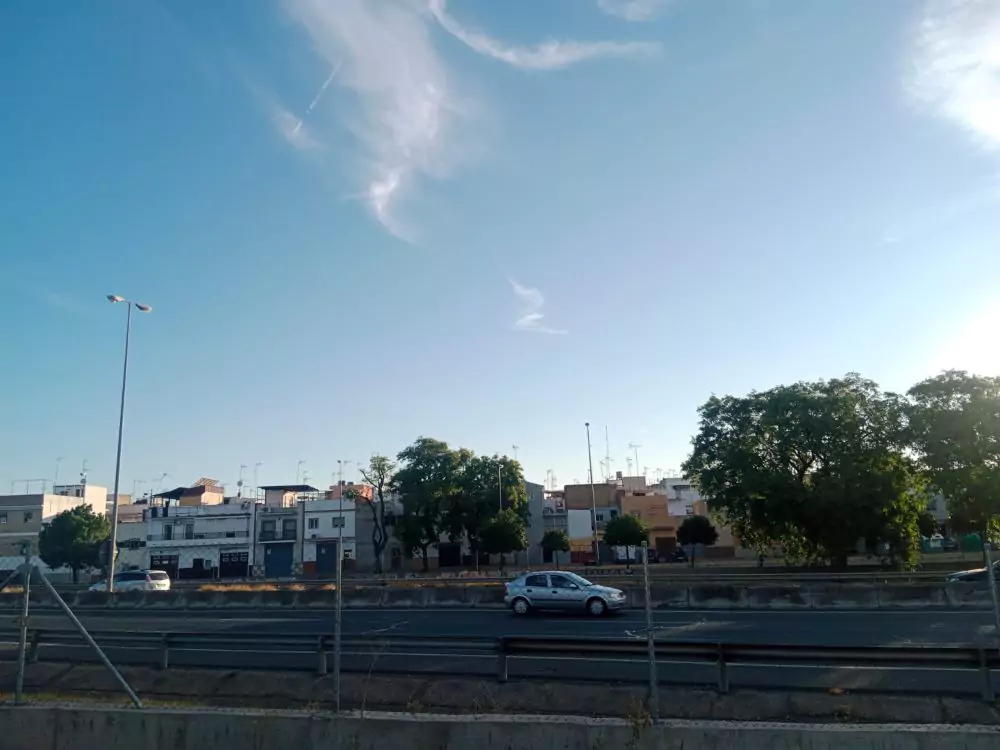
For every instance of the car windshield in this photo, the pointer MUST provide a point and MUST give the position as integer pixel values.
(579, 580)
(157, 575)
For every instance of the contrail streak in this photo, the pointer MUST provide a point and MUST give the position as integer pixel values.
(322, 89)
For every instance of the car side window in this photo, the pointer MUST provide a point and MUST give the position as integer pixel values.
(535, 581)
(560, 582)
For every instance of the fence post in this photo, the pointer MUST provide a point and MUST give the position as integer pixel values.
(654, 691)
(36, 643)
(321, 656)
(984, 670)
(165, 651)
(723, 673)
(501, 660)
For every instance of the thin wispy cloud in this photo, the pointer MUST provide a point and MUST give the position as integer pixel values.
(632, 10)
(529, 317)
(957, 65)
(548, 55)
(409, 111)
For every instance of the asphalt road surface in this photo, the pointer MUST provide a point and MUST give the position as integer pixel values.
(806, 628)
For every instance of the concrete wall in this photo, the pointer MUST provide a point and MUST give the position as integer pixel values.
(664, 596)
(90, 728)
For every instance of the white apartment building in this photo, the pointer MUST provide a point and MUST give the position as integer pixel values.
(325, 524)
(208, 541)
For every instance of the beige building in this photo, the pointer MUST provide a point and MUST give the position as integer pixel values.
(22, 516)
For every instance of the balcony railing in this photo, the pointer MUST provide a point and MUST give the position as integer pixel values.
(287, 535)
(197, 535)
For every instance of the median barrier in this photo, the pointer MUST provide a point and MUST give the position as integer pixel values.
(392, 597)
(660, 597)
(203, 600)
(316, 598)
(488, 597)
(448, 596)
(916, 596)
(92, 599)
(844, 596)
(717, 597)
(366, 597)
(778, 597)
(968, 595)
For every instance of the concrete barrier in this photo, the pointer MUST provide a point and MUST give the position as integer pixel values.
(366, 597)
(393, 597)
(449, 596)
(718, 597)
(316, 598)
(778, 597)
(860, 596)
(914, 596)
(968, 595)
(91, 728)
(661, 597)
(488, 597)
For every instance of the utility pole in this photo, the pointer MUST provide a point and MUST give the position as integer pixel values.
(55, 481)
(593, 498)
(634, 447)
(298, 472)
(500, 480)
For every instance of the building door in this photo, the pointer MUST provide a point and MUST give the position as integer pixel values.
(326, 559)
(234, 564)
(665, 546)
(169, 564)
(278, 560)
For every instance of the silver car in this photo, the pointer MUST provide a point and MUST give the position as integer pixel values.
(560, 590)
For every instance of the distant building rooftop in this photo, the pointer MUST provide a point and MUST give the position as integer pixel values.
(289, 487)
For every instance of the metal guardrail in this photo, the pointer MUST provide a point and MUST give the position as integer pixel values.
(494, 655)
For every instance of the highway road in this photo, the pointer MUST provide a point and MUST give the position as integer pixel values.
(877, 628)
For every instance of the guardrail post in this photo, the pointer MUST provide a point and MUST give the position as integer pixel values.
(165, 651)
(723, 671)
(36, 642)
(501, 660)
(321, 656)
(984, 670)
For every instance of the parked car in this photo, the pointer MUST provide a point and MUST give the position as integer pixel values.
(949, 545)
(137, 580)
(976, 574)
(561, 590)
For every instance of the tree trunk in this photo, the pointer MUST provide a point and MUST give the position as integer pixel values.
(76, 575)
(423, 556)
(694, 551)
(555, 556)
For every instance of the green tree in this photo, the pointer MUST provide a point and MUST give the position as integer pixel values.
(427, 482)
(486, 484)
(625, 531)
(379, 474)
(695, 530)
(815, 467)
(73, 538)
(555, 541)
(954, 424)
(504, 533)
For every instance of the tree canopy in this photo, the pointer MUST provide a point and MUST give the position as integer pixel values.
(954, 426)
(504, 533)
(73, 538)
(814, 466)
(555, 541)
(695, 530)
(625, 531)
(457, 494)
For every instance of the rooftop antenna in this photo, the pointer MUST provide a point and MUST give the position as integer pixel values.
(83, 472)
(515, 447)
(628, 464)
(635, 447)
(239, 482)
(55, 480)
(607, 451)
(645, 471)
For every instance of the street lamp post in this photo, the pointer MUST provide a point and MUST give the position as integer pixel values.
(500, 481)
(129, 304)
(593, 498)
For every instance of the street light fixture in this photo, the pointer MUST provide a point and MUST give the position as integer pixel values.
(115, 299)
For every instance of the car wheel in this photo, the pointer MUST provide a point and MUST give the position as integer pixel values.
(597, 607)
(520, 606)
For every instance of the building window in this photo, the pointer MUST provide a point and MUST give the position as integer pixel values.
(168, 532)
(689, 510)
(189, 531)
(600, 516)
(288, 529)
(338, 522)
(614, 513)
(267, 526)
(28, 516)
(313, 523)
(3, 518)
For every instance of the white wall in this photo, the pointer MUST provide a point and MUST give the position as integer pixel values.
(578, 524)
(324, 513)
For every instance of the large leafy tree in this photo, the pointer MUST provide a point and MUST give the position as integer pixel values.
(487, 485)
(625, 531)
(955, 429)
(73, 538)
(813, 466)
(427, 483)
(555, 541)
(695, 530)
(379, 474)
(503, 534)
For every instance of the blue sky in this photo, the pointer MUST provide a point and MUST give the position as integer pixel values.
(360, 221)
